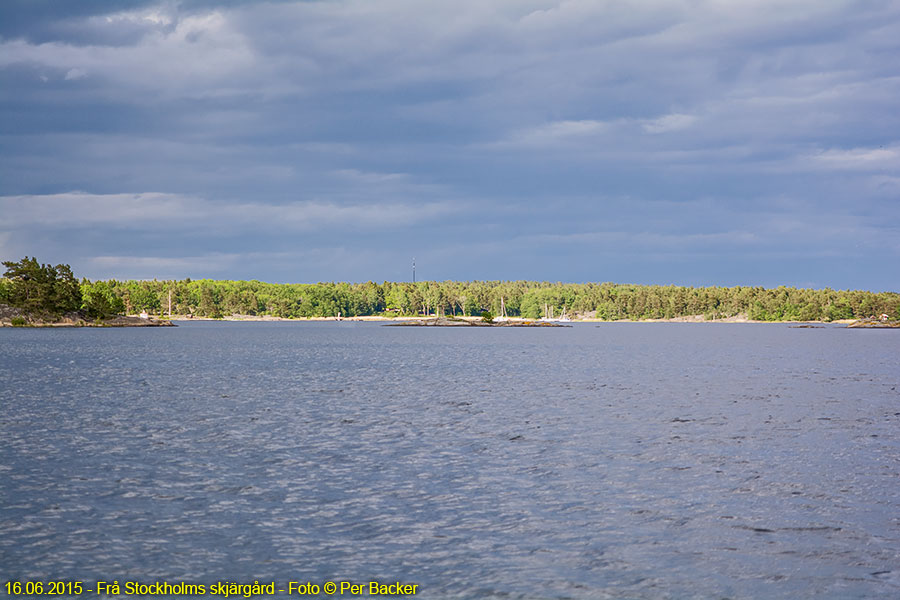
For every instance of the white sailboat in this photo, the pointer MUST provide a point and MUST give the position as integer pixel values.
(548, 316)
(503, 316)
(548, 313)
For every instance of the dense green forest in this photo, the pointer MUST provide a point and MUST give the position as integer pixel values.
(51, 291)
(610, 301)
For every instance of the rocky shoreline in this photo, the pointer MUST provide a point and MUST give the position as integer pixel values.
(13, 317)
(874, 324)
(451, 322)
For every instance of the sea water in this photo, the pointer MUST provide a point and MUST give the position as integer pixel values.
(632, 460)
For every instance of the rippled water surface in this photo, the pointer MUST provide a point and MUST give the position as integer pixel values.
(620, 460)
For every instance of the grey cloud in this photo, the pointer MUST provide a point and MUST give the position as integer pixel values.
(156, 210)
(458, 130)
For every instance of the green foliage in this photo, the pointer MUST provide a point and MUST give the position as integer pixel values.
(607, 311)
(469, 307)
(838, 310)
(487, 316)
(99, 299)
(41, 289)
(18, 322)
(211, 298)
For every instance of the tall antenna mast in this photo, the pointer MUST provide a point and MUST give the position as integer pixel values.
(414, 269)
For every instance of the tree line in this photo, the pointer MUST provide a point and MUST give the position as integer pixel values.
(55, 288)
(48, 291)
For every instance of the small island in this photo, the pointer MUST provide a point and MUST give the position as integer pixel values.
(39, 295)
(873, 323)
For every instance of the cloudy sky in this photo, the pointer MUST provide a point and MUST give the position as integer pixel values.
(695, 142)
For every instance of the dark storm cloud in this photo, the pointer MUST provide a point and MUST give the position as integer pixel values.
(81, 22)
(710, 142)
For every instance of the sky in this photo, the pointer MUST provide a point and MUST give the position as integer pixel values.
(694, 142)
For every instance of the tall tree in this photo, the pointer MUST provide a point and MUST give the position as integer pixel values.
(39, 288)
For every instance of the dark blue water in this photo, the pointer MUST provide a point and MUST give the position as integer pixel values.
(620, 460)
